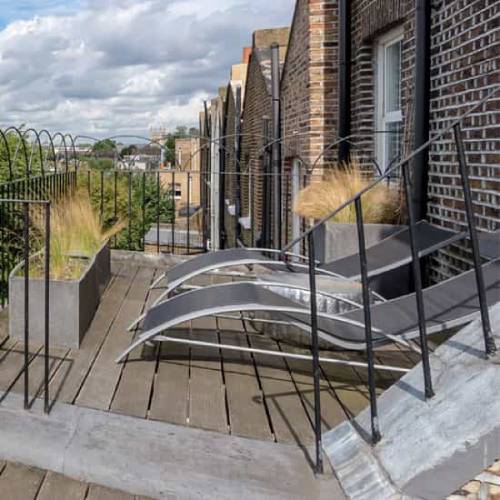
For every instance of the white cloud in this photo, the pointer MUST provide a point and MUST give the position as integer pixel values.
(119, 66)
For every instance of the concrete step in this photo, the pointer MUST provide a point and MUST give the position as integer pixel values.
(428, 448)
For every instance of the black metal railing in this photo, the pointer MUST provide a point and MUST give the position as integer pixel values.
(405, 166)
(161, 208)
(24, 207)
(51, 187)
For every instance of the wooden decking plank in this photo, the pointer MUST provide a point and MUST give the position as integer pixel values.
(102, 493)
(58, 487)
(288, 416)
(37, 370)
(68, 381)
(100, 385)
(171, 385)
(344, 381)
(19, 482)
(132, 396)
(247, 413)
(332, 412)
(207, 407)
(12, 363)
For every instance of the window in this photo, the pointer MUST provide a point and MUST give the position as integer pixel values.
(177, 191)
(388, 98)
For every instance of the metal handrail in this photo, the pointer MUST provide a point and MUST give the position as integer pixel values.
(490, 346)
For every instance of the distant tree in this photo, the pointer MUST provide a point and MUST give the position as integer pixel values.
(129, 150)
(181, 131)
(194, 132)
(106, 147)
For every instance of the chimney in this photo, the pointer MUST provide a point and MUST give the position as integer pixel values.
(247, 52)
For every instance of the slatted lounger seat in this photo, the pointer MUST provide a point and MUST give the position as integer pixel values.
(452, 303)
(390, 253)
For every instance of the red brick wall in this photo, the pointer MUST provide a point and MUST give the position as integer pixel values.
(309, 91)
(257, 105)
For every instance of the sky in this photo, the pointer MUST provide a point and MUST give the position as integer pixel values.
(110, 67)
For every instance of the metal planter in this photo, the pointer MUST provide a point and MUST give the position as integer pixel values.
(73, 303)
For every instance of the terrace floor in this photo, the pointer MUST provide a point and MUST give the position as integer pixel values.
(19, 482)
(225, 391)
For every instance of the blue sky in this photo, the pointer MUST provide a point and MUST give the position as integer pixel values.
(12, 10)
(106, 67)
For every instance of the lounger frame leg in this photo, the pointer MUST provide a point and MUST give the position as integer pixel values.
(489, 341)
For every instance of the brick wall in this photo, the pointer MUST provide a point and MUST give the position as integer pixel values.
(465, 66)
(229, 161)
(309, 92)
(369, 20)
(257, 105)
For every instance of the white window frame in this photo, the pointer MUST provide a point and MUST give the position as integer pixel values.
(383, 119)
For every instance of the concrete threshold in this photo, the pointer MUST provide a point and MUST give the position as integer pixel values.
(155, 459)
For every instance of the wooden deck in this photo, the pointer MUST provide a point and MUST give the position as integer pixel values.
(247, 395)
(19, 482)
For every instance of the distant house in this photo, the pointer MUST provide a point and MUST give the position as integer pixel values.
(257, 111)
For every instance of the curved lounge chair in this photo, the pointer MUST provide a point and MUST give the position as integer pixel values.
(390, 253)
(451, 303)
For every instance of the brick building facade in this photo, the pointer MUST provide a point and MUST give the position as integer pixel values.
(464, 59)
(351, 67)
(309, 101)
(257, 106)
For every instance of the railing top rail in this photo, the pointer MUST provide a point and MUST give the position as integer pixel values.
(402, 164)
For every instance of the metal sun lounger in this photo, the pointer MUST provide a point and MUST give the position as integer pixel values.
(449, 304)
(388, 254)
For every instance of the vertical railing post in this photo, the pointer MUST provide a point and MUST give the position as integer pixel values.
(173, 214)
(489, 341)
(115, 199)
(47, 309)
(158, 211)
(129, 212)
(315, 352)
(143, 209)
(188, 236)
(101, 206)
(3, 263)
(363, 264)
(417, 279)
(26, 301)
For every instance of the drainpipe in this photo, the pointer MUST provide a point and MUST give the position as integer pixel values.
(204, 180)
(276, 148)
(237, 159)
(344, 122)
(422, 105)
(265, 235)
(222, 182)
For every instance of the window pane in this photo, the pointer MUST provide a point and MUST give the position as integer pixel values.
(393, 77)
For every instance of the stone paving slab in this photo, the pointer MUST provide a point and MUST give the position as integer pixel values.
(156, 459)
(428, 448)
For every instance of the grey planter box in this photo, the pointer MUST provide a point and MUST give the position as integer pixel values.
(336, 240)
(72, 303)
